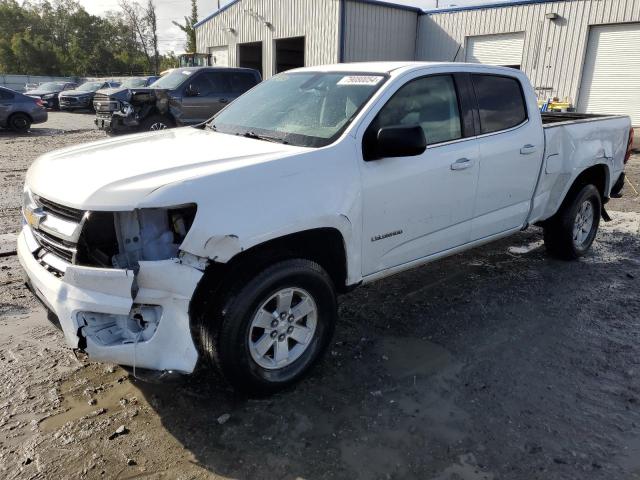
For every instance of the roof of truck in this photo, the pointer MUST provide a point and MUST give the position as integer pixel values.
(398, 67)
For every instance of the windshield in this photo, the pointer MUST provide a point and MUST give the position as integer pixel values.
(90, 86)
(51, 87)
(134, 82)
(172, 79)
(306, 109)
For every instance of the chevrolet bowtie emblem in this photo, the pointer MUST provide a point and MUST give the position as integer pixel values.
(34, 216)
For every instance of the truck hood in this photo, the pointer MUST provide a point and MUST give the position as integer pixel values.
(76, 93)
(125, 94)
(39, 93)
(117, 174)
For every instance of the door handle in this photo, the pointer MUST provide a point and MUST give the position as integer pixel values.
(528, 149)
(223, 100)
(461, 164)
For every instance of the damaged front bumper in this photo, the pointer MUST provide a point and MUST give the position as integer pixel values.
(138, 319)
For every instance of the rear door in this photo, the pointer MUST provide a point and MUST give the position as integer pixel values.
(511, 144)
(241, 82)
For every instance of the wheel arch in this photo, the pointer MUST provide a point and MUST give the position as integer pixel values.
(325, 246)
(597, 175)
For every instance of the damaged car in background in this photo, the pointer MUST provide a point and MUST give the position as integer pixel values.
(228, 245)
(82, 97)
(186, 96)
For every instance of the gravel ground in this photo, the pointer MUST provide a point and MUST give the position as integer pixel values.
(496, 363)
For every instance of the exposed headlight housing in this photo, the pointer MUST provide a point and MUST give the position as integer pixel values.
(49, 96)
(122, 239)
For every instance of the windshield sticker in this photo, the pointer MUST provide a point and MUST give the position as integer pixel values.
(367, 80)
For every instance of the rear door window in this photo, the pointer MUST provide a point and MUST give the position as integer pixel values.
(241, 82)
(5, 95)
(501, 102)
(217, 82)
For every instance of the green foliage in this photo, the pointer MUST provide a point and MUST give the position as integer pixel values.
(59, 37)
(189, 28)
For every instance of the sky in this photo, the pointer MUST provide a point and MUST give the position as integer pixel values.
(172, 38)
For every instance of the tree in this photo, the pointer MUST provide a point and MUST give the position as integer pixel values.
(189, 27)
(152, 24)
(59, 37)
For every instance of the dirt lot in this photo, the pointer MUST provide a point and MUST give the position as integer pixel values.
(497, 363)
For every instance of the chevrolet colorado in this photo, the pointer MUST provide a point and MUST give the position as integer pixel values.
(229, 244)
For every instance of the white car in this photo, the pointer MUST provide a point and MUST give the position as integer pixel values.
(229, 244)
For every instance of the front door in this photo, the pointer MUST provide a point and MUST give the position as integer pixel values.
(205, 96)
(417, 206)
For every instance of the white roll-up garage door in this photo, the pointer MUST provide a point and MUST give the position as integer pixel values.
(503, 49)
(219, 56)
(611, 76)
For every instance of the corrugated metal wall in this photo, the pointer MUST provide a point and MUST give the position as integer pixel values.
(554, 50)
(316, 20)
(375, 32)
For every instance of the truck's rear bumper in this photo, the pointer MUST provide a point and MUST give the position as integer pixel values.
(168, 285)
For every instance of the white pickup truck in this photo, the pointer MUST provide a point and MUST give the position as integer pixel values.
(228, 244)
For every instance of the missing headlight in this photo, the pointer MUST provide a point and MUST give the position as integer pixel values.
(122, 239)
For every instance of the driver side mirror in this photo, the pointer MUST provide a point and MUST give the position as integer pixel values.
(191, 91)
(397, 141)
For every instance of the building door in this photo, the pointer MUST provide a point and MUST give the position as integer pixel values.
(250, 56)
(611, 76)
(289, 53)
(219, 56)
(504, 49)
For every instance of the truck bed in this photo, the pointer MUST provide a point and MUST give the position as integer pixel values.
(553, 118)
(574, 142)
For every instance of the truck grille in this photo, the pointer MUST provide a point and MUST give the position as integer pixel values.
(103, 103)
(57, 250)
(58, 210)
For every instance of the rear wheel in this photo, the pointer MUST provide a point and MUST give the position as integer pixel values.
(19, 122)
(570, 232)
(155, 123)
(269, 331)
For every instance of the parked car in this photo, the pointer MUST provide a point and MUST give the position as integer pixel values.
(229, 244)
(82, 97)
(48, 92)
(18, 112)
(139, 82)
(186, 96)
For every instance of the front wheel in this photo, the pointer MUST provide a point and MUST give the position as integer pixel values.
(155, 123)
(570, 232)
(270, 330)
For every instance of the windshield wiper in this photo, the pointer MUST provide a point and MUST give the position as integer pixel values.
(263, 137)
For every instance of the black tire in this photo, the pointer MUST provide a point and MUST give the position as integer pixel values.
(19, 122)
(153, 123)
(225, 331)
(559, 229)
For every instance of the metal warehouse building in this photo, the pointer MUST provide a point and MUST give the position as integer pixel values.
(587, 51)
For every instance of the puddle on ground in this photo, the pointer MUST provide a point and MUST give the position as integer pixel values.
(407, 357)
(75, 403)
(467, 469)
